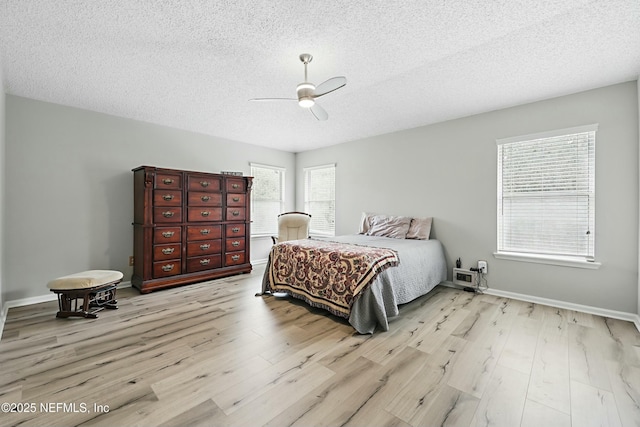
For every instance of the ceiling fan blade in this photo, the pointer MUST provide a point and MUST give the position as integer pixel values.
(329, 86)
(273, 99)
(319, 112)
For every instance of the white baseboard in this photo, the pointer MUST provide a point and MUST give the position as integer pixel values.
(31, 300)
(259, 261)
(35, 300)
(46, 298)
(22, 302)
(630, 317)
(620, 315)
(3, 317)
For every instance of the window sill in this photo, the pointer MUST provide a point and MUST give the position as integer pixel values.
(547, 259)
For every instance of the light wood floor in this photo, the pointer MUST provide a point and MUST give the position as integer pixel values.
(212, 354)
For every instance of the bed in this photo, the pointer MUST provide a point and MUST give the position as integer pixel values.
(404, 270)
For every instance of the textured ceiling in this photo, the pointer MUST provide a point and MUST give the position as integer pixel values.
(194, 64)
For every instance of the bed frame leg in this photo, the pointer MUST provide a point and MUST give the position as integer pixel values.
(260, 294)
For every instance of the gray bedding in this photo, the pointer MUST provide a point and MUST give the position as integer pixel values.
(422, 267)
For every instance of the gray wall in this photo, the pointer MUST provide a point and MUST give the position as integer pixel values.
(70, 203)
(449, 170)
(2, 191)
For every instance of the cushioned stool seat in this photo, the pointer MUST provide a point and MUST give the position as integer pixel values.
(96, 288)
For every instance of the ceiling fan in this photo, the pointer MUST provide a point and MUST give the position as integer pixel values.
(307, 92)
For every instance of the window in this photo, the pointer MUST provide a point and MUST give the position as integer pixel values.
(267, 198)
(320, 198)
(546, 196)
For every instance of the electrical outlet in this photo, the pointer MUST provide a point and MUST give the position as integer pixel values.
(482, 267)
(131, 260)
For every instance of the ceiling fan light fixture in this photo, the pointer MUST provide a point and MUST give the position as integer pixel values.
(305, 94)
(305, 86)
(306, 102)
(308, 92)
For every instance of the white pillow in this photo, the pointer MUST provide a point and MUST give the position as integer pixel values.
(389, 226)
(365, 222)
(420, 228)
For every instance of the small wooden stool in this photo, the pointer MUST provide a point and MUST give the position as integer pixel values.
(96, 288)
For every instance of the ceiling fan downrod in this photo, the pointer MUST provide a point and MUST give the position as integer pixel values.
(305, 89)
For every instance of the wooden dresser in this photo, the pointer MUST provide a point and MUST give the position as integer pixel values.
(188, 227)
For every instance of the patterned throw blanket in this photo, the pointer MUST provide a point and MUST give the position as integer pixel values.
(325, 274)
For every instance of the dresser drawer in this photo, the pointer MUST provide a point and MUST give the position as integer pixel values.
(235, 230)
(204, 214)
(233, 245)
(167, 214)
(207, 183)
(235, 214)
(234, 199)
(236, 185)
(165, 252)
(200, 263)
(204, 247)
(203, 232)
(167, 198)
(166, 268)
(168, 181)
(199, 198)
(167, 235)
(234, 258)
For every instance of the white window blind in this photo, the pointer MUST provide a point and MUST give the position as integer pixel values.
(320, 198)
(546, 193)
(267, 198)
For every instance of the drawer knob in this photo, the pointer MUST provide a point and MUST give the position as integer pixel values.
(168, 214)
(204, 183)
(167, 267)
(235, 213)
(205, 231)
(168, 233)
(236, 243)
(168, 197)
(205, 198)
(205, 213)
(235, 257)
(205, 246)
(168, 251)
(167, 181)
(236, 199)
(234, 185)
(235, 229)
(205, 261)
